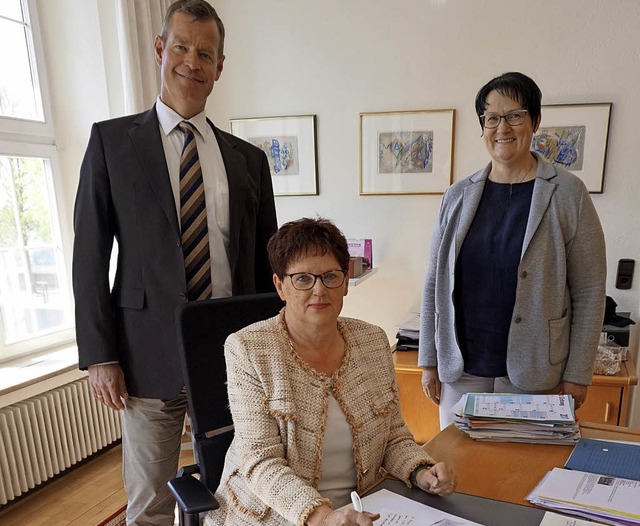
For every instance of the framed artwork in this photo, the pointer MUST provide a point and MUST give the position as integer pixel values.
(290, 146)
(406, 152)
(574, 136)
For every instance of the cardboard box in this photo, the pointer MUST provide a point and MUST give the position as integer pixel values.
(355, 267)
(362, 248)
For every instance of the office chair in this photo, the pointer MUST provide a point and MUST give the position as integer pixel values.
(203, 327)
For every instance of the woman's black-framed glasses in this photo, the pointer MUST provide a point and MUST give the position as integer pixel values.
(306, 281)
(513, 118)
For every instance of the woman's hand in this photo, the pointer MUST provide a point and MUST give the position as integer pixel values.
(438, 479)
(579, 392)
(326, 516)
(431, 384)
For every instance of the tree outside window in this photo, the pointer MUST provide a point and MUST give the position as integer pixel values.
(33, 295)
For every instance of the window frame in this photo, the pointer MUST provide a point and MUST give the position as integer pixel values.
(30, 138)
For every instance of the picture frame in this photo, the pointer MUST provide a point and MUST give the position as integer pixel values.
(290, 146)
(575, 137)
(406, 152)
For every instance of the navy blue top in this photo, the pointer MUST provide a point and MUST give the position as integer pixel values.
(487, 276)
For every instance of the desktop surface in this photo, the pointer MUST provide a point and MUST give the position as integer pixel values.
(508, 471)
(477, 509)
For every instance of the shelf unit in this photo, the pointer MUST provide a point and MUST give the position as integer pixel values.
(354, 282)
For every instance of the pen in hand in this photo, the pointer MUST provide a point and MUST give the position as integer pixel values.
(355, 500)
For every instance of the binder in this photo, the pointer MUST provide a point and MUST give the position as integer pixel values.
(603, 457)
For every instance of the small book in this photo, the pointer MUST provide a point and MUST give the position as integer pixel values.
(614, 459)
(361, 248)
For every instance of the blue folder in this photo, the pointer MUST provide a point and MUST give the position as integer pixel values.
(613, 459)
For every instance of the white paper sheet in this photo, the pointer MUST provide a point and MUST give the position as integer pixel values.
(553, 519)
(396, 510)
(542, 408)
(609, 499)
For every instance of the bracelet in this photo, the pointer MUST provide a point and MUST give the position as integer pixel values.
(414, 474)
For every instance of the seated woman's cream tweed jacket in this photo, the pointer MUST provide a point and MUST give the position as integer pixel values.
(279, 406)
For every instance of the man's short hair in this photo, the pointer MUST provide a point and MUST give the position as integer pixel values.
(199, 10)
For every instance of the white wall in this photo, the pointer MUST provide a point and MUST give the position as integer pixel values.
(338, 58)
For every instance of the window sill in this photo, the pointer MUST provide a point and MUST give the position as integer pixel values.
(36, 373)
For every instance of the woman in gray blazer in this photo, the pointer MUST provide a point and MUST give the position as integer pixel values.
(514, 295)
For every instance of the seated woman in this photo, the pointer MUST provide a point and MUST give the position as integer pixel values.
(314, 399)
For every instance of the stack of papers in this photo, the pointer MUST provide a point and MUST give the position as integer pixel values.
(506, 417)
(409, 332)
(606, 499)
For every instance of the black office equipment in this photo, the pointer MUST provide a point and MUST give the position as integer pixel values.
(624, 276)
(203, 327)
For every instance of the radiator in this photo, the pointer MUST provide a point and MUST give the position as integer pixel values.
(44, 435)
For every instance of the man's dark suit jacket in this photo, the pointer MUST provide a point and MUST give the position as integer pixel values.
(125, 193)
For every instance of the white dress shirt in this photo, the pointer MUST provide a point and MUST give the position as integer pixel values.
(216, 187)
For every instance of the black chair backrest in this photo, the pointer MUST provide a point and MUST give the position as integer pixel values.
(203, 327)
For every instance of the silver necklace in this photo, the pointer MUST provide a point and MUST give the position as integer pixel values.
(518, 182)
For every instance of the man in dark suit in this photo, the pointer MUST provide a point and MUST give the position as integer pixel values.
(130, 190)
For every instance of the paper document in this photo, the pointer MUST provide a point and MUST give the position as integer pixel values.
(504, 417)
(411, 322)
(540, 408)
(607, 499)
(553, 519)
(396, 510)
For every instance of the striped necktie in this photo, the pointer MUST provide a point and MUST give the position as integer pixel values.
(193, 219)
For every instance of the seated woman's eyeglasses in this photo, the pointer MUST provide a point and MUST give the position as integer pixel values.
(513, 118)
(306, 281)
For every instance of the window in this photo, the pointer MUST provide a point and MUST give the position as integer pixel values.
(35, 301)
(19, 93)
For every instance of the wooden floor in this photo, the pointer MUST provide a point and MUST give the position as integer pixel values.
(85, 496)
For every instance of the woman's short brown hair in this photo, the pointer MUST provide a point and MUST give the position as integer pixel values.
(306, 236)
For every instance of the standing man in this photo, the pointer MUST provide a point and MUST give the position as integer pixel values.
(192, 209)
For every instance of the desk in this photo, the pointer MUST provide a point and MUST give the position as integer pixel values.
(607, 400)
(508, 471)
(476, 509)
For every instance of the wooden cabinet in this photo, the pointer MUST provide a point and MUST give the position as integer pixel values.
(608, 397)
(420, 413)
(607, 400)
(602, 406)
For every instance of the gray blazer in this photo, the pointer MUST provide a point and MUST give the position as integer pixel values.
(560, 295)
(124, 194)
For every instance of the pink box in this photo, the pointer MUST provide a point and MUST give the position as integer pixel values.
(362, 248)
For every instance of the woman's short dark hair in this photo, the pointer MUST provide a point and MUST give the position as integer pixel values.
(516, 86)
(302, 237)
(199, 10)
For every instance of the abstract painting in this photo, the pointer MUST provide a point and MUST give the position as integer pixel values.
(561, 145)
(290, 146)
(282, 153)
(575, 137)
(406, 152)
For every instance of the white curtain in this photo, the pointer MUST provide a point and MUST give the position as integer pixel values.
(139, 21)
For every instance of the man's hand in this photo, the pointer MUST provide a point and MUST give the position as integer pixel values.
(431, 384)
(107, 384)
